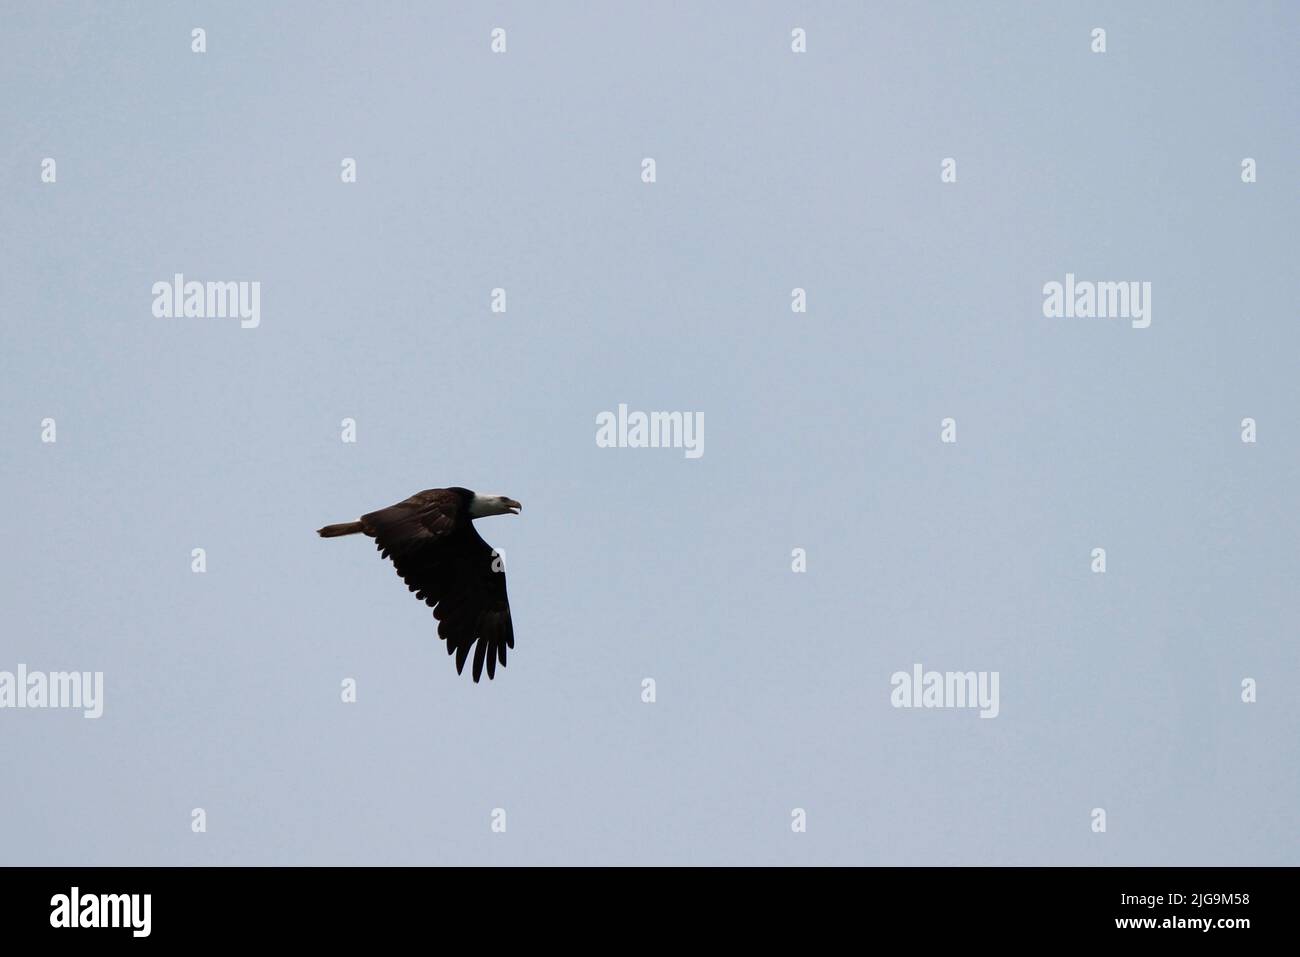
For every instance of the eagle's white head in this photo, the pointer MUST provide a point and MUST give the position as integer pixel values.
(482, 505)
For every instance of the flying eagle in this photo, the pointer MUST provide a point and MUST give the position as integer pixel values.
(433, 544)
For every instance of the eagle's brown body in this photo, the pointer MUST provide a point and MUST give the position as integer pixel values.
(435, 548)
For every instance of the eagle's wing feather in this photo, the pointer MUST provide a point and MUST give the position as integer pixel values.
(443, 559)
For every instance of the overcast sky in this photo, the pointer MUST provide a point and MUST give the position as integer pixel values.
(774, 170)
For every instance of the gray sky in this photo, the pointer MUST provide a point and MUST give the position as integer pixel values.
(775, 170)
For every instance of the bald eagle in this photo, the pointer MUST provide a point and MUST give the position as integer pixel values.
(433, 544)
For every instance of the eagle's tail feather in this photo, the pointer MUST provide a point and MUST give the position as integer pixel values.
(334, 531)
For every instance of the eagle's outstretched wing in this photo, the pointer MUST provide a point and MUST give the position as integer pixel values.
(441, 557)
